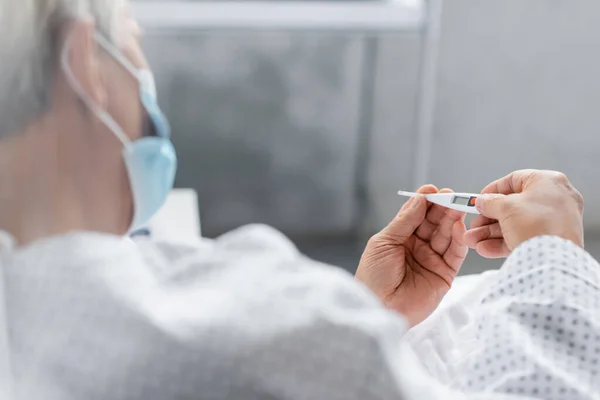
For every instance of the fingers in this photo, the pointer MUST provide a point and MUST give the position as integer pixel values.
(511, 183)
(480, 220)
(492, 203)
(518, 181)
(493, 206)
(487, 240)
(409, 217)
(482, 233)
(493, 248)
(457, 250)
(434, 217)
(440, 240)
(407, 220)
(427, 189)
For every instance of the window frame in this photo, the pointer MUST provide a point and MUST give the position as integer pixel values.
(391, 15)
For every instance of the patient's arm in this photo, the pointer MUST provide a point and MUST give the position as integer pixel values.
(538, 327)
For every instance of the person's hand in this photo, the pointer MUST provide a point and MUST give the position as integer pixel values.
(523, 205)
(411, 264)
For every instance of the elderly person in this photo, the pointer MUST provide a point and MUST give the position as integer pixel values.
(87, 314)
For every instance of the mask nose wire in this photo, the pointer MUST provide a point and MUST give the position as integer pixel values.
(104, 116)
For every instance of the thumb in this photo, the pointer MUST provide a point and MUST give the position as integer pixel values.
(407, 220)
(491, 205)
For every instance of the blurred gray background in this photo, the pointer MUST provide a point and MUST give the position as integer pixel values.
(314, 131)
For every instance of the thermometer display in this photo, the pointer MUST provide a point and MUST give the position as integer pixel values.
(465, 201)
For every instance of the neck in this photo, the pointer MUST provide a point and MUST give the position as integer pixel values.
(34, 198)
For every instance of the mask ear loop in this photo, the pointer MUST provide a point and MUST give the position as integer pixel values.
(91, 104)
(147, 84)
(110, 49)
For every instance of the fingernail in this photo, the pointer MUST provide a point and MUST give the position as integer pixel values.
(479, 201)
(484, 201)
(410, 202)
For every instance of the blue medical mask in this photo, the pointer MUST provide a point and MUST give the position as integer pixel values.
(151, 161)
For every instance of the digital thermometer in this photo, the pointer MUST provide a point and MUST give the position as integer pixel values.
(463, 202)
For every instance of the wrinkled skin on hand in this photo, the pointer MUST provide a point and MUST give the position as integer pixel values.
(523, 205)
(411, 264)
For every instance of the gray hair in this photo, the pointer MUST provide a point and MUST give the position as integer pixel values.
(30, 52)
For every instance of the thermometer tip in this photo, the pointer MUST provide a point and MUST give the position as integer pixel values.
(407, 194)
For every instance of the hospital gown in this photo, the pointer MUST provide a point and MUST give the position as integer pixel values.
(89, 316)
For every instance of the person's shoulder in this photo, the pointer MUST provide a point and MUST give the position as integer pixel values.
(254, 251)
(260, 236)
(245, 304)
(254, 270)
(255, 243)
